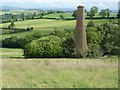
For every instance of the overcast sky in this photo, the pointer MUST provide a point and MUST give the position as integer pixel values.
(102, 4)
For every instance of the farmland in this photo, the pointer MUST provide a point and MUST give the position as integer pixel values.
(21, 72)
(45, 26)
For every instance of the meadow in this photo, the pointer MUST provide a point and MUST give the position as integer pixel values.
(19, 72)
(50, 73)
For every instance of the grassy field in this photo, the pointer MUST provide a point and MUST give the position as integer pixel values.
(69, 15)
(45, 26)
(19, 72)
(57, 15)
(50, 73)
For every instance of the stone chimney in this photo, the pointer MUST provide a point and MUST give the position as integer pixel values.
(80, 32)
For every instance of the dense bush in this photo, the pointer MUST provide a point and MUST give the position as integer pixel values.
(66, 33)
(48, 46)
(68, 48)
(15, 42)
(10, 42)
(90, 24)
(94, 39)
(27, 39)
(110, 38)
(67, 36)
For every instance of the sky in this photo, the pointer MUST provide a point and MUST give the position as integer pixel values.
(101, 4)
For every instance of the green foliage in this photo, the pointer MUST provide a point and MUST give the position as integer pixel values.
(94, 9)
(48, 46)
(103, 13)
(64, 34)
(110, 38)
(92, 12)
(10, 42)
(74, 13)
(94, 39)
(15, 42)
(90, 24)
(108, 12)
(68, 48)
(27, 39)
(12, 24)
(67, 36)
(61, 16)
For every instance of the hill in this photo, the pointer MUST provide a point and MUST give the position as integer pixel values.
(10, 8)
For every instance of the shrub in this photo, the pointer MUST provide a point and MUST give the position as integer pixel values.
(94, 39)
(28, 29)
(48, 46)
(66, 33)
(110, 38)
(61, 17)
(29, 38)
(68, 48)
(90, 24)
(10, 42)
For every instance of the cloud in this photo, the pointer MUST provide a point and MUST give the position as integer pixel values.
(59, 1)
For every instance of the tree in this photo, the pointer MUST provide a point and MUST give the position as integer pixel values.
(12, 17)
(103, 13)
(92, 12)
(74, 13)
(12, 24)
(23, 16)
(108, 13)
(95, 9)
(61, 16)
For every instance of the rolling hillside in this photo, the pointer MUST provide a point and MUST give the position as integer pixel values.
(44, 26)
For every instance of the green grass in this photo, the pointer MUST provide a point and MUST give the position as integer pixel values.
(69, 15)
(11, 53)
(50, 73)
(45, 26)
(57, 15)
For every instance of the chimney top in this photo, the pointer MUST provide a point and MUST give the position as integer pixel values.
(80, 6)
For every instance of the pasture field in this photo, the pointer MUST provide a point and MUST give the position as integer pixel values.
(69, 15)
(57, 15)
(19, 72)
(51, 73)
(45, 26)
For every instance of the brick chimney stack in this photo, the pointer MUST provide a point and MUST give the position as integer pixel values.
(80, 32)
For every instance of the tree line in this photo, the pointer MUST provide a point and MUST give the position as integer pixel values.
(26, 15)
(104, 13)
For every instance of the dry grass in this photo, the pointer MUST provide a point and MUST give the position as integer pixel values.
(50, 73)
(59, 73)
